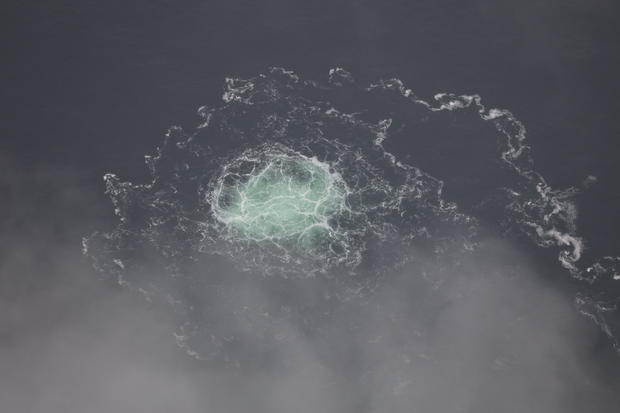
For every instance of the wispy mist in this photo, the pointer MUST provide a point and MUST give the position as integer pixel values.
(485, 335)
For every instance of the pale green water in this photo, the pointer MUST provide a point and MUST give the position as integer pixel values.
(289, 198)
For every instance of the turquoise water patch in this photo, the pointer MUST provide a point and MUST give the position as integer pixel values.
(286, 199)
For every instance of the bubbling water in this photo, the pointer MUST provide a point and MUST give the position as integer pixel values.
(320, 180)
(286, 199)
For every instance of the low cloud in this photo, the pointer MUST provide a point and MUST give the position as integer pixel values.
(488, 333)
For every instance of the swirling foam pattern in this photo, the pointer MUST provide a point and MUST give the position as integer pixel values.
(279, 200)
(300, 179)
(289, 198)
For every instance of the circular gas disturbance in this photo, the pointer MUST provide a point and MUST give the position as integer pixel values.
(284, 199)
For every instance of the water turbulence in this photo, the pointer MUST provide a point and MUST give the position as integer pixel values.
(282, 202)
(291, 181)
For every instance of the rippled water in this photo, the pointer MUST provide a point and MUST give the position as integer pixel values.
(298, 179)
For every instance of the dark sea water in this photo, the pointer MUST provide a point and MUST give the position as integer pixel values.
(91, 87)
